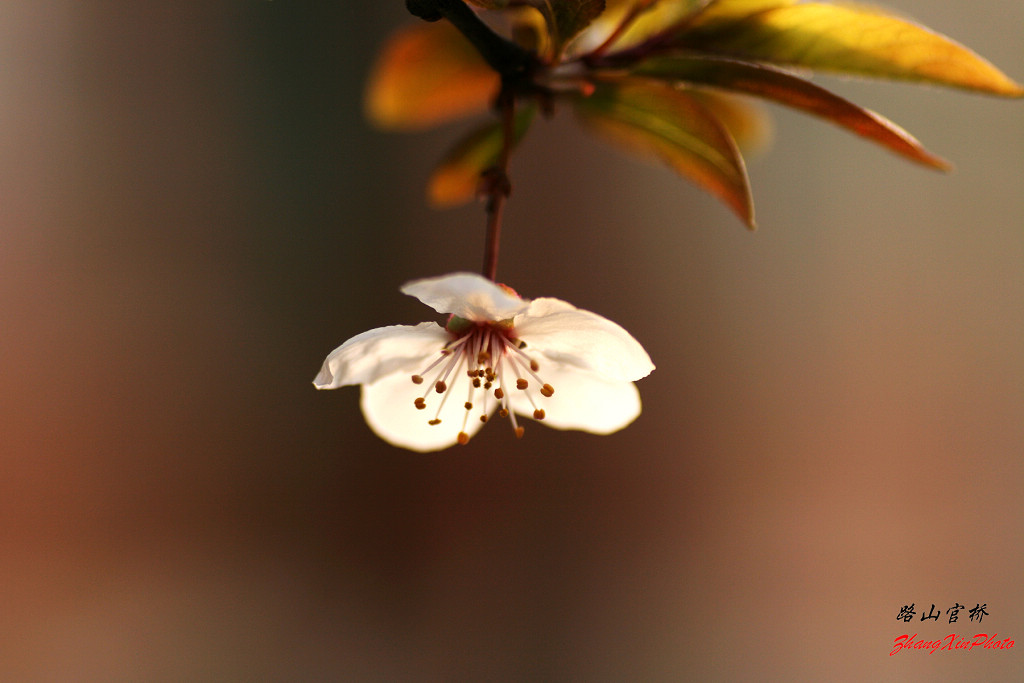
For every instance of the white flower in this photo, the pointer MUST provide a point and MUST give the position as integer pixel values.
(427, 387)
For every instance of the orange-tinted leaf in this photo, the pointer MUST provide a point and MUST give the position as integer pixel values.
(656, 120)
(843, 38)
(428, 74)
(747, 122)
(774, 84)
(457, 177)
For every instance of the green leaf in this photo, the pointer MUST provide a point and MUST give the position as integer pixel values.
(428, 74)
(850, 39)
(773, 84)
(566, 18)
(457, 177)
(656, 120)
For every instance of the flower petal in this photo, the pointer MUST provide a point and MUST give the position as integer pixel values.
(583, 401)
(466, 295)
(388, 408)
(573, 337)
(383, 351)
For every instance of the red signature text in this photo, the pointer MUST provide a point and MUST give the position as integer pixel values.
(951, 642)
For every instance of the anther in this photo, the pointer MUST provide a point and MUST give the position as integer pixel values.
(521, 384)
(440, 387)
(538, 414)
(420, 404)
(476, 382)
(547, 390)
(469, 405)
(534, 365)
(433, 422)
(463, 438)
(519, 432)
(416, 379)
(503, 412)
(483, 418)
(499, 394)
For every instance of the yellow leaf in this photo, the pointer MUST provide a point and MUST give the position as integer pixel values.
(428, 74)
(843, 38)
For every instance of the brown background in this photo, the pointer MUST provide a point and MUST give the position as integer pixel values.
(194, 213)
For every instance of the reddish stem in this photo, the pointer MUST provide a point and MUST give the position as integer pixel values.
(496, 185)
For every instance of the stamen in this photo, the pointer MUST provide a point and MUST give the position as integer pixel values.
(445, 352)
(442, 388)
(488, 352)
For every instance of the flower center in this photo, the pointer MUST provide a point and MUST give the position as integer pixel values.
(495, 363)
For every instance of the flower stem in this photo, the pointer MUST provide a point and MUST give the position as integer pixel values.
(515, 65)
(495, 184)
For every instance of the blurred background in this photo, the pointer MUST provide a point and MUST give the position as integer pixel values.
(194, 213)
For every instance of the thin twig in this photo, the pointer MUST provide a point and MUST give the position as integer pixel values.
(496, 184)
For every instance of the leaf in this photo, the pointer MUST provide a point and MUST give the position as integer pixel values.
(567, 18)
(849, 39)
(645, 18)
(457, 177)
(428, 74)
(490, 4)
(746, 120)
(773, 84)
(656, 120)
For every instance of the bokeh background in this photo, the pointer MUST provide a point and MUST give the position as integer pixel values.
(194, 213)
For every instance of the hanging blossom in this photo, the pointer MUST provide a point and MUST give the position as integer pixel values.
(427, 387)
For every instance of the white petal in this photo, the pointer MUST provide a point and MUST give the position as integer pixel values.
(388, 408)
(567, 335)
(369, 356)
(467, 295)
(582, 401)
